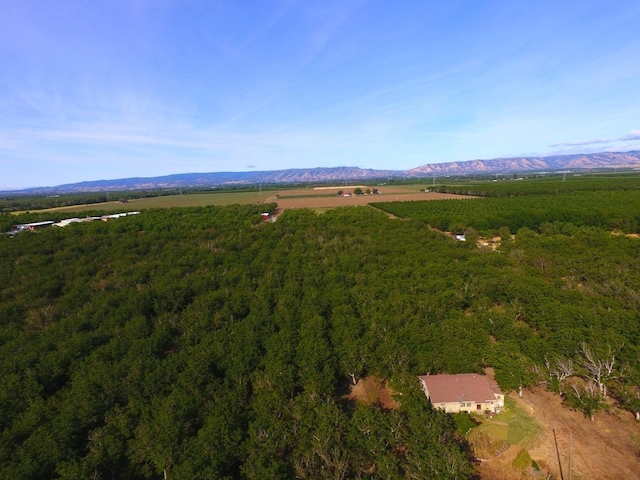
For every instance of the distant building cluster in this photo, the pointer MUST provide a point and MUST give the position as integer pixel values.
(31, 227)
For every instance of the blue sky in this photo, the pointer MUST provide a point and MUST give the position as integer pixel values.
(106, 89)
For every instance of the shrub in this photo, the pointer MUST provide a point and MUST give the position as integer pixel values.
(464, 423)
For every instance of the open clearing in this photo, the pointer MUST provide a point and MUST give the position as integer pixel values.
(317, 197)
(372, 390)
(606, 449)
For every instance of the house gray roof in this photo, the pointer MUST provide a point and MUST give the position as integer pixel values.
(468, 387)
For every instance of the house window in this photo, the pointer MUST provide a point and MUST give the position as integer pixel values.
(468, 404)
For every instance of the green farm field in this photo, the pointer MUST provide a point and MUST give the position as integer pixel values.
(192, 200)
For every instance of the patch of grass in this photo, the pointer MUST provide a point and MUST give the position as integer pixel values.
(522, 460)
(522, 427)
(409, 188)
(512, 425)
(190, 200)
(486, 446)
(464, 423)
(496, 430)
(201, 199)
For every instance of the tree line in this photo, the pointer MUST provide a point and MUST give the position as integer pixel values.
(551, 213)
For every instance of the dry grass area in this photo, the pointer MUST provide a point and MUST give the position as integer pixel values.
(372, 390)
(605, 449)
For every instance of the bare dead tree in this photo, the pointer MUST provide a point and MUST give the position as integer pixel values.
(555, 371)
(542, 373)
(334, 458)
(323, 461)
(564, 368)
(355, 364)
(598, 370)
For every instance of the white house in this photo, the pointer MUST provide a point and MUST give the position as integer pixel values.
(464, 392)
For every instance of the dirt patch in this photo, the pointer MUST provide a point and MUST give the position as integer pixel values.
(372, 390)
(606, 449)
(489, 243)
(622, 234)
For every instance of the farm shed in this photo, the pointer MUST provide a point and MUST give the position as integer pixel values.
(465, 392)
(33, 226)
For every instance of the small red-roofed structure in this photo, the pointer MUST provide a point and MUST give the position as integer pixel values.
(464, 392)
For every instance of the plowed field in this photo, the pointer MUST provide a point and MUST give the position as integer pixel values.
(308, 198)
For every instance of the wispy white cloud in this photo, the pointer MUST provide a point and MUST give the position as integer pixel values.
(328, 24)
(631, 136)
(148, 136)
(581, 143)
(265, 28)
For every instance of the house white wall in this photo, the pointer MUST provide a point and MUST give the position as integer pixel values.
(468, 405)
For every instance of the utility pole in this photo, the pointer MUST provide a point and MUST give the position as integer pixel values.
(570, 452)
(555, 440)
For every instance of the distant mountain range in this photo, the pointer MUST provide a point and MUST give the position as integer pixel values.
(577, 162)
(530, 164)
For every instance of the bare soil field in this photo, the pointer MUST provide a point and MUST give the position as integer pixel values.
(606, 449)
(320, 199)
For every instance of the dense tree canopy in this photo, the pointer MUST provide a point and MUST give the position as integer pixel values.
(205, 343)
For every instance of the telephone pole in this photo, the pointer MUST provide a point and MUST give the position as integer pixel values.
(570, 452)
